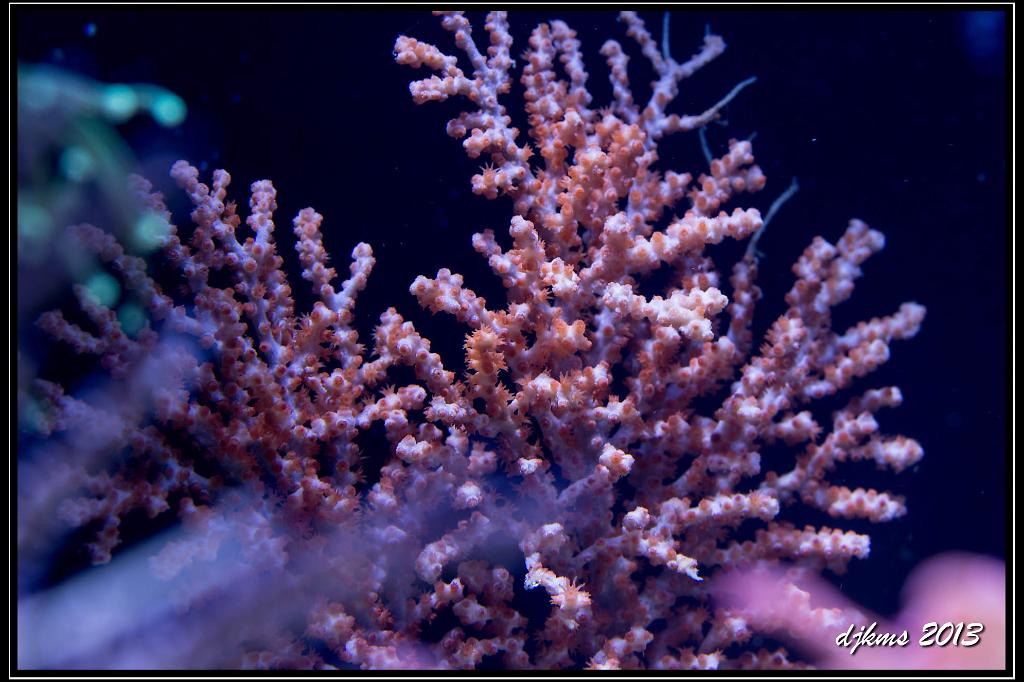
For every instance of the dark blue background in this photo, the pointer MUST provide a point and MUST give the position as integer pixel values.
(894, 117)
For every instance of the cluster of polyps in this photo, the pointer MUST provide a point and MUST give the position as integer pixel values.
(573, 432)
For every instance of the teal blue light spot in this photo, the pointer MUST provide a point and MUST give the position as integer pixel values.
(34, 222)
(132, 318)
(90, 29)
(76, 164)
(168, 110)
(120, 102)
(39, 92)
(103, 288)
(150, 232)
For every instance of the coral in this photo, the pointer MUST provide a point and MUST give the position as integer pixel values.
(577, 433)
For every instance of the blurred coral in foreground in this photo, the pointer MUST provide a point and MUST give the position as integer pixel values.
(945, 599)
(574, 445)
(72, 161)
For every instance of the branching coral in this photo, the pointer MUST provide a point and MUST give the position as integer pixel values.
(575, 431)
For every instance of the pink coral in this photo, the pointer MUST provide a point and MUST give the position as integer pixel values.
(575, 430)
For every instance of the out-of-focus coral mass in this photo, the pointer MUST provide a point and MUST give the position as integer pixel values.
(301, 496)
